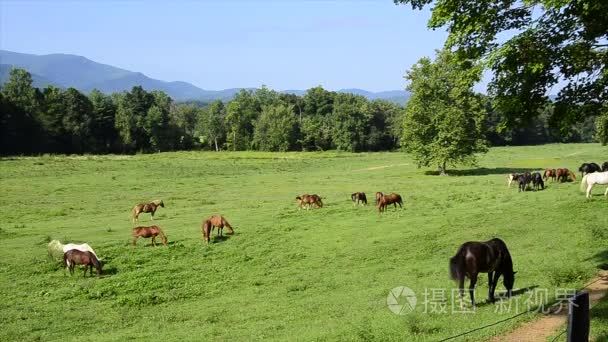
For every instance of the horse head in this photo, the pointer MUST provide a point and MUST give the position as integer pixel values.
(509, 281)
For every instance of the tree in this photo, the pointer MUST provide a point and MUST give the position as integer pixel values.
(274, 129)
(555, 40)
(349, 121)
(130, 118)
(77, 120)
(444, 118)
(241, 112)
(210, 126)
(18, 117)
(103, 114)
(315, 126)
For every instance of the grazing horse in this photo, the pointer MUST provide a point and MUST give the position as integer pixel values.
(146, 232)
(309, 200)
(512, 177)
(146, 208)
(537, 181)
(564, 174)
(213, 222)
(491, 257)
(524, 179)
(75, 257)
(590, 179)
(358, 197)
(605, 166)
(55, 247)
(389, 199)
(550, 173)
(587, 168)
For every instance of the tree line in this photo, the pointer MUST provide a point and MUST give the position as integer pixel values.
(55, 120)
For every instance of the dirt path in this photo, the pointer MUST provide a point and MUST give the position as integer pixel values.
(550, 323)
(380, 167)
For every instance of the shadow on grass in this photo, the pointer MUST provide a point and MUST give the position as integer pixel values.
(602, 259)
(482, 171)
(503, 295)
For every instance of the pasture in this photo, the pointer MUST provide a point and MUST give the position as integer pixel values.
(321, 274)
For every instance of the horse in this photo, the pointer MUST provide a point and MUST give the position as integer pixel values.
(590, 179)
(524, 179)
(309, 200)
(605, 166)
(550, 173)
(75, 257)
(491, 257)
(386, 200)
(378, 196)
(563, 174)
(512, 177)
(537, 181)
(146, 232)
(213, 222)
(586, 168)
(146, 208)
(55, 247)
(358, 197)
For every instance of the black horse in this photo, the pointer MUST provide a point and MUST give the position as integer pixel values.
(359, 197)
(589, 168)
(537, 180)
(605, 166)
(491, 257)
(524, 179)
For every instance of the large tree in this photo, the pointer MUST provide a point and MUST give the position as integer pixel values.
(274, 129)
(444, 118)
(210, 126)
(549, 41)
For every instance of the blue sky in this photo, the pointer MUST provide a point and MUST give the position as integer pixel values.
(290, 44)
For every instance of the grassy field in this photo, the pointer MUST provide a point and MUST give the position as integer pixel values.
(286, 274)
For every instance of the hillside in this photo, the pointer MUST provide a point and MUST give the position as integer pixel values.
(64, 70)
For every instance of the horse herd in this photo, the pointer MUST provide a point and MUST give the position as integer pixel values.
(472, 258)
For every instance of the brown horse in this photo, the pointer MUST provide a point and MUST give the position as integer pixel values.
(309, 201)
(213, 222)
(75, 257)
(550, 173)
(386, 200)
(146, 232)
(563, 174)
(358, 197)
(146, 208)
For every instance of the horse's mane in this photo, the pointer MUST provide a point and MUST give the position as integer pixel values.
(157, 202)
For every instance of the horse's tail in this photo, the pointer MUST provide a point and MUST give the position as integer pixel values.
(134, 213)
(584, 183)
(457, 265)
(572, 174)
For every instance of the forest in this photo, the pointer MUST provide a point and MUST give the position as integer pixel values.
(67, 121)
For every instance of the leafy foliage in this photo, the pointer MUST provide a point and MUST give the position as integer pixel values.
(554, 40)
(444, 118)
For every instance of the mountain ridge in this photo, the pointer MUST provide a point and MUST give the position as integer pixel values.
(67, 70)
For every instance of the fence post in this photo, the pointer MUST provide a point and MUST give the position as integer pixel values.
(578, 317)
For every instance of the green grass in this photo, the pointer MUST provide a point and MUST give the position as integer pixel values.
(286, 274)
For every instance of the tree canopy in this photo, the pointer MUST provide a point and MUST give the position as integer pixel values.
(444, 118)
(552, 43)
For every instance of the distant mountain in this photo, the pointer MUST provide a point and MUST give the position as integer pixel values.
(63, 70)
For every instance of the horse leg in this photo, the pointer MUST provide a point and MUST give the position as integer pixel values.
(606, 192)
(154, 241)
(490, 283)
(135, 240)
(472, 288)
(461, 288)
(589, 190)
